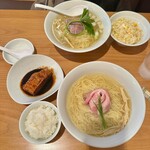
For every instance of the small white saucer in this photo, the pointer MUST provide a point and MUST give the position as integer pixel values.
(17, 44)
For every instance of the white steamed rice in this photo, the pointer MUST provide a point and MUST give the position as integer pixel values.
(41, 122)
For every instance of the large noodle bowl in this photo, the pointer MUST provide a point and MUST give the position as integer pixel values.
(89, 122)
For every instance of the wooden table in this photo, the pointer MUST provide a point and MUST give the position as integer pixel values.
(29, 24)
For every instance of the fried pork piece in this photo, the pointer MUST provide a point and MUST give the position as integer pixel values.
(37, 81)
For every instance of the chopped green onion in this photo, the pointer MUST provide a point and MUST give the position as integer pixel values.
(101, 114)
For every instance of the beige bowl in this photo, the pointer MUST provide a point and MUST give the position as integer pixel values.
(97, 10)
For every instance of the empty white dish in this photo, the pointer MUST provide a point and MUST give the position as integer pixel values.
(18, 44)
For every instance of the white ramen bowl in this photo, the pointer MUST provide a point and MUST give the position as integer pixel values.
(97, 10)
(127, 81)
(142, 22)
(22, 120)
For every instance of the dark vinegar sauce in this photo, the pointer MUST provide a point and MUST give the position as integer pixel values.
(47, 86)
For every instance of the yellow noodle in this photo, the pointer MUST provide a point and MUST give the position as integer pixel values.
(79, 41)
(90, 123)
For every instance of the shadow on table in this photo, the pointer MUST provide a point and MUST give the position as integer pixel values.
(88, 56)
(101, 51)
(52, 99)
(59, 135)
(129, 50)
(121, 147)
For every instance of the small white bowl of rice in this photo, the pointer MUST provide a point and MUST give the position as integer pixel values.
(130, 28)
(39, 123)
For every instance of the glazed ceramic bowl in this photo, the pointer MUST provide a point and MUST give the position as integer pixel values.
(17, 45)
(136, 18)
(130, 84)
(23, 118)
(95, 9)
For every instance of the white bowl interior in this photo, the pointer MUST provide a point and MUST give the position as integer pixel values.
(142, 22)
(17, 44)
(23, 118)
(25, 65)
(130, 84)
(93, 8)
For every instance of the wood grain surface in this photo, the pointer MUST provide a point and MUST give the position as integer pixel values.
(29, 24)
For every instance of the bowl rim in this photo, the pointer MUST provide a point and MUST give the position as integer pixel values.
(88, 49)
(28, 64)
(124, 14)
(25, 113)
(15, 41)
(100, 142)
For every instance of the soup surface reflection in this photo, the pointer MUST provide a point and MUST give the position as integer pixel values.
(81, 39)
(83, 116)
